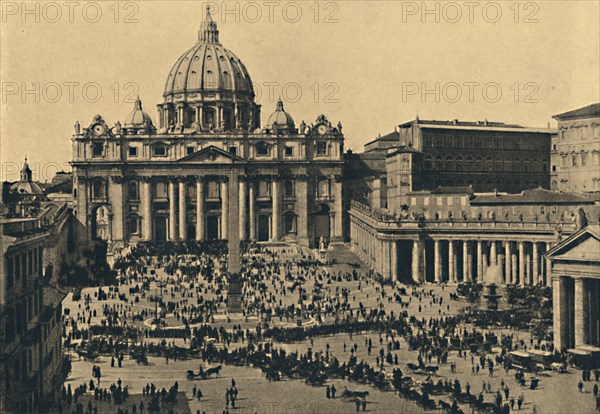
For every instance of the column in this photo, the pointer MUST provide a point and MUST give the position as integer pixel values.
(172, 212)
(581, 323)
(548, 272)
(466, 264)
(528, 268)
(479, 261)
(224, 208)
(535, 271)
(416, 261)
(470, 276)
(514, 268)
(182, 211)
(493, 253)
(507, 259)
(386, 259)
(146, 210)
(522, 263)
(251, 212)
(115, 197)
(437, 258)
(451, 262)
(302, 224)
(394, 260)
(337, 219)
(199, 209)
(276, 213)
(561, 313)
(242, 213)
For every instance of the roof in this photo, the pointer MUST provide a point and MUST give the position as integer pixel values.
(476, 126)
(453, 190)
(401, 150)
(532, 196)
(392, 136)
(579, 245)
(585, 112)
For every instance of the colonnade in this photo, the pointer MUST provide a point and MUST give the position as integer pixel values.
(450, 259)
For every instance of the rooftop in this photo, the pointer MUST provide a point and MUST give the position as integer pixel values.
(533, 196)
(585, 112)
(475, 126)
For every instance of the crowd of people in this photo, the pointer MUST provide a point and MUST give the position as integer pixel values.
(290, 298)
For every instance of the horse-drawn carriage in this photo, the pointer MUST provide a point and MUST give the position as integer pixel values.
(204, 374)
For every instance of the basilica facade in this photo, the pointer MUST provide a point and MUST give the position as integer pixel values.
(141, 181)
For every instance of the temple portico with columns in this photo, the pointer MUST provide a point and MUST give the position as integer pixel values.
(575, 273)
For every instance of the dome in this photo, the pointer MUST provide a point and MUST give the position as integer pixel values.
(208, 67)
(25, 186)
(138, 118)
(280, 120)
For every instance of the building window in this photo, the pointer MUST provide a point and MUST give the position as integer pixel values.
(262, 149)
(289, 151)
(290, 190)
(133, 226)
(159, 151)
(574, 160)
(427, 163)
(438, 163)
(134, 193)
(264, 188)
(564, 161)
(459, 163)
(469, 164)
(98, 150)
(233, 150)
(479, 164)
(324, 188)
(133, 152)
(449, 163)
(190, 150)
(489, 164)
(583, 160)
(98, 189)
(321, 148)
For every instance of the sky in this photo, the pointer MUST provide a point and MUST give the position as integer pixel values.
(369, 64)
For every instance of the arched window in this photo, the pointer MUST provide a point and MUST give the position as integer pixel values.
(133, 225)
(507, 164)
(438, 163)
(479, 164)
(459, 163)
(517, 164)
(489, 164)
(526, 164)
(427, 163)
(498, 164)
(469, 164)
(449, 163)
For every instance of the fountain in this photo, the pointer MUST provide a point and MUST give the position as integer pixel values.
(493, 278)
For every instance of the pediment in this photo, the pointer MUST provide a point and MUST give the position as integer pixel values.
(582, 245)
(211, 155)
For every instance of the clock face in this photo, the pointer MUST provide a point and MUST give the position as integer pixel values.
(322, 129)
(98, 129)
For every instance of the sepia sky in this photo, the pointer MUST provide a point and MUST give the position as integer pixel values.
(365, 64)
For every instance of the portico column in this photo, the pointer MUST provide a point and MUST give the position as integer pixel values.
(224, 208)
(242, 213)
(182, 211)
(172, 212)
(394, 260)
(522, 263)
(561, 313)
(465, 272)
(199, 209)
(451, 262)
(581, 323)
(302, 224)
(276, 216)
(470, 276)
(416, 261)
(514, 267)
(548, 272)
(251, 212)
(479, 261)
(437, 267)
(507, 259)
(146, 210)
(535, 273)
(528, 269)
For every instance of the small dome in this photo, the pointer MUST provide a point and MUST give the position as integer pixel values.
(25, 186)
(138, 118)
(280, 120)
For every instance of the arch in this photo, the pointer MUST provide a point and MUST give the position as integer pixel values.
(101, 217)
(427, 163)
(469, 164)
(449, 163)
(459, 163)
(438, 163)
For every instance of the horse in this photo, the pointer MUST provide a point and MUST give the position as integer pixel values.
(354, 394)
(216, 370)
